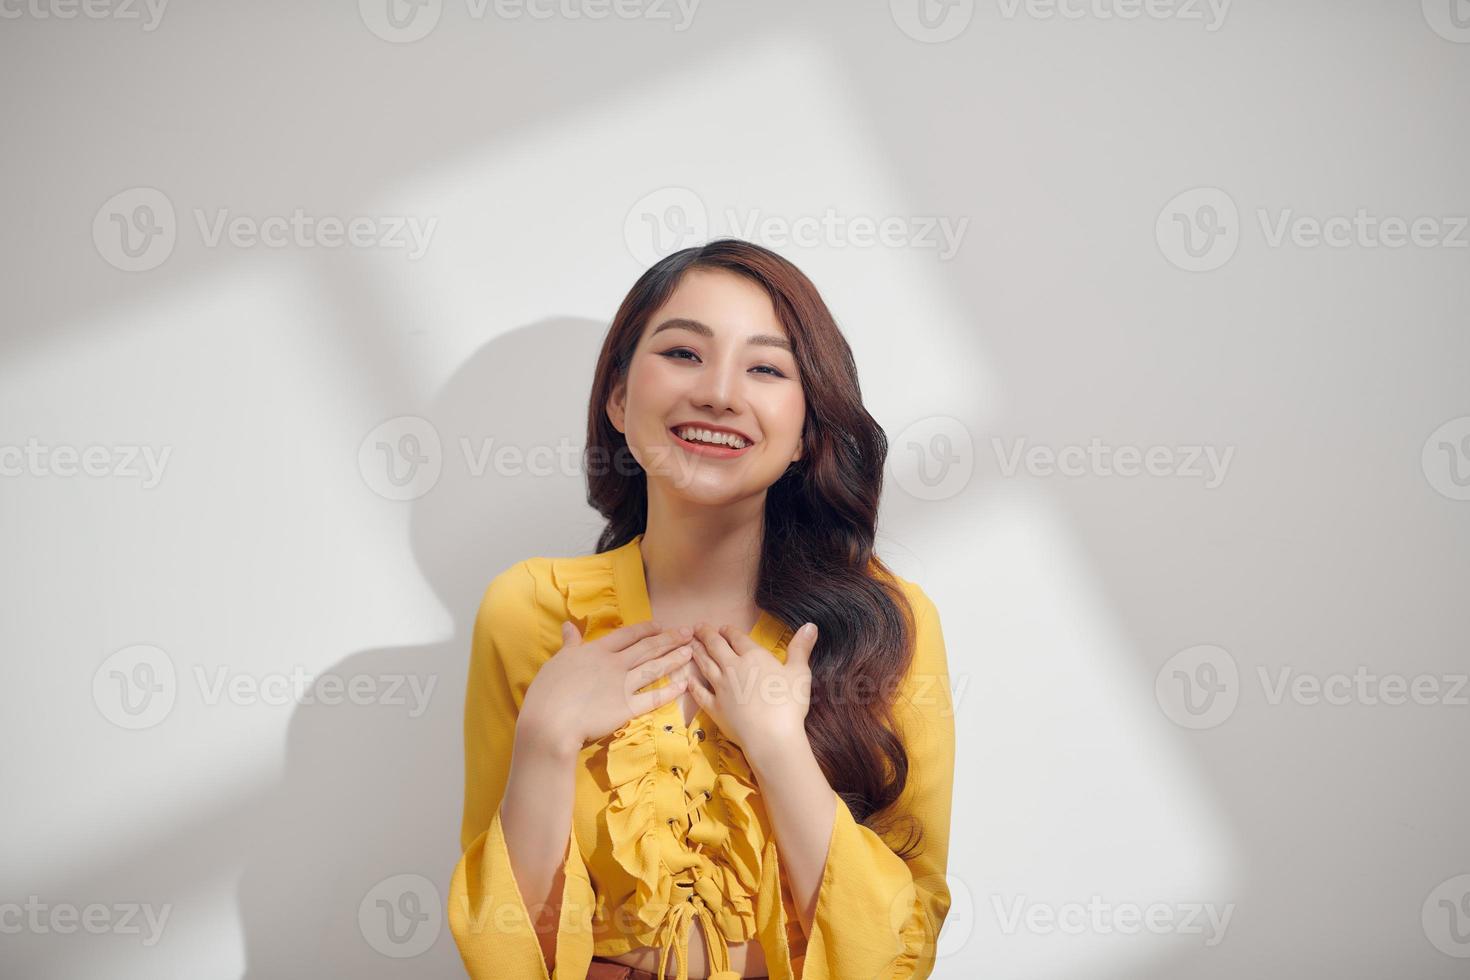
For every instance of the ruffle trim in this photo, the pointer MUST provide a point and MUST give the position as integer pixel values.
(718, 832)
(590, 592)
(699, 827)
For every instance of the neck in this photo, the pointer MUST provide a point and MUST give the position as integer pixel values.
(693, 552)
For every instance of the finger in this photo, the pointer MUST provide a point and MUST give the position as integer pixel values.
(706, 663)
(715, 645)
(703, 696)
(570, 635)
(646, 701)
(684, 672)
(651, 671)
(625, 636)
(739, 641)
(799, 648)
(652, 646)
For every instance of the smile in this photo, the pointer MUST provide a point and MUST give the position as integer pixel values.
(708, 442)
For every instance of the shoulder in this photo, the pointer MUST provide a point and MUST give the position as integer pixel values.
(929, 652)
(925, 706)
(926, 613)
(513, 607)
(531, 598)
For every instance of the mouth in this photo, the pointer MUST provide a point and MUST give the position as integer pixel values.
(718, 443)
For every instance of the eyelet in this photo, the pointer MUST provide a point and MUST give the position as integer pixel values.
(708, 795)
(699, 734)
(676, 770)
(668, 728)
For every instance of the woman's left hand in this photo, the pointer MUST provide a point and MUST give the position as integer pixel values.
(759, 702)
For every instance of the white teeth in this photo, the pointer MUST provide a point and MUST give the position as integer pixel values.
(706, 435)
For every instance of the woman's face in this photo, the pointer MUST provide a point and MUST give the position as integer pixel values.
(714, 356)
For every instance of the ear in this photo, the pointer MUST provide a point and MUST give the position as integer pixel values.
(616, 408)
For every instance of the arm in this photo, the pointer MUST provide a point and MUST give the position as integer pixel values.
(866, 911)
(519, 852)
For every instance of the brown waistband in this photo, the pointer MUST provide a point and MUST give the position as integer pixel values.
(604, 969)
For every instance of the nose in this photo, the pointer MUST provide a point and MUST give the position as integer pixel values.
(717, 386)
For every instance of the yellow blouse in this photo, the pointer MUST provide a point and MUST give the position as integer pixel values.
(668, 822)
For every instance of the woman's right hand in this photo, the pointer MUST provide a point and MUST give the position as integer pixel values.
(589, 689)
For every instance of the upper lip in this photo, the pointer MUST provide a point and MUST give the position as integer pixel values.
(712, 427)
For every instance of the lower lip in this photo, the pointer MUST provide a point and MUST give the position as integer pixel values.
(705, 449)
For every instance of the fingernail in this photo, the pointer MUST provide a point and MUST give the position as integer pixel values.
(808, 629)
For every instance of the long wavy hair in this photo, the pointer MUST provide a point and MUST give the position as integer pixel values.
(817, 561)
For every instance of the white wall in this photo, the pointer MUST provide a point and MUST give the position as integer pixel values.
(1322, 533)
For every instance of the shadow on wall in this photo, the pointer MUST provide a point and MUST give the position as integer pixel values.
(350, 856)
(347, 860)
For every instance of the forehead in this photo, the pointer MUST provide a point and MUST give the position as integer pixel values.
(731, 305)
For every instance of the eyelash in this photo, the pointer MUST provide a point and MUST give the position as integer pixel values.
(670, 354)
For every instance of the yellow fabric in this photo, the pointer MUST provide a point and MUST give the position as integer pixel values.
(668, 824)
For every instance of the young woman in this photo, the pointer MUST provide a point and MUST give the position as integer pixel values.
(722, 745)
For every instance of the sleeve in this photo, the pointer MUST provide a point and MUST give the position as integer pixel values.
(877, 915)
(487, 913)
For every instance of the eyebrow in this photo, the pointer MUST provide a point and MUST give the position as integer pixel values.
(694, 326)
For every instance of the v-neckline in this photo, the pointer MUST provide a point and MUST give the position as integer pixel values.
(634, 606)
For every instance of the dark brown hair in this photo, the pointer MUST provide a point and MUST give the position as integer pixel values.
(817, 561)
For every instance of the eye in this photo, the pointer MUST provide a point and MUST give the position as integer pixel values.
(677, 353)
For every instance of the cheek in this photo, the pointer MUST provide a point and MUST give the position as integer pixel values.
(784, 419)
